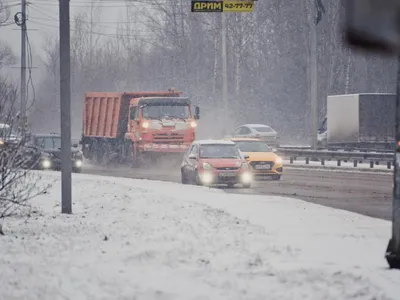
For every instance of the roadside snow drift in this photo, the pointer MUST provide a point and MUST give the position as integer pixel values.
(137, 239)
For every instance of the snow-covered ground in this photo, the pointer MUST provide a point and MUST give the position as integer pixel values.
(138, 239)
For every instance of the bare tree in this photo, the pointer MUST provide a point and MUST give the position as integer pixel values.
(7, 57)
(18, 185)
(4, 14)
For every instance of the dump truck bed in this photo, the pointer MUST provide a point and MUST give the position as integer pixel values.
(103, 113)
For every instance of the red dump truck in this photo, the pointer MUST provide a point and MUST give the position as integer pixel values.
(137, 126)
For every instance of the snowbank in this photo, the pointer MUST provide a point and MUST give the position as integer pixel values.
(138, 239)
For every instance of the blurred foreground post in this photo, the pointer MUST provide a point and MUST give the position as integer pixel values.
(373, 25)
(393, 249)
(65, 99)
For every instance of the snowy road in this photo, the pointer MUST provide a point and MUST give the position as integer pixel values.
(362, 192)
(135, 239)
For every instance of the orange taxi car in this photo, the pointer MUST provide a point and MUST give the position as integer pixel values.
(264, 163)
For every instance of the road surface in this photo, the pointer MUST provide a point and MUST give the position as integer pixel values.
(361, 192)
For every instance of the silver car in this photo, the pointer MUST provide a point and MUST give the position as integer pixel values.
(260, 131)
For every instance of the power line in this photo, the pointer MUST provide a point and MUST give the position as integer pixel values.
(118, 36)
(111, 4)
(97, 23)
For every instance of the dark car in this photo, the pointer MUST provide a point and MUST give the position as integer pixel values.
(48, 153)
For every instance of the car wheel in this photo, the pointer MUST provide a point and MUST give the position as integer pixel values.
(184, 179)
(231, 185)
(276, 177)
(198, 181)
(247, 185)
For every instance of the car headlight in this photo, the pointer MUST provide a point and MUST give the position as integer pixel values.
(46, 164)
(193, 124)
(247, 177)
(244, 166)
(145, 124)
(278, 160)
(207, 178)
(206, 166)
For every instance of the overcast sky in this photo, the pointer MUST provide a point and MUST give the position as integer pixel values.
(43, 22)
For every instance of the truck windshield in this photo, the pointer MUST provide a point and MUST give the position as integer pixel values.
(166, 111)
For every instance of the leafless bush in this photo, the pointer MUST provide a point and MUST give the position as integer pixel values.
(18, 184)
(4, 13)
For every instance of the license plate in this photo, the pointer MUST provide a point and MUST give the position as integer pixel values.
(263, 167)
(227, 174)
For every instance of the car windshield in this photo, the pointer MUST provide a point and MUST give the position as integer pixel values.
(253, 146)
(263, 129)
(48, 142)
(219, 151)
(166, 111)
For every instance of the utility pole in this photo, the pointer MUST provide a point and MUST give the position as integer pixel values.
(313, 77)
(224, 72)
(65, 99)
(23, 69)
(393, 249)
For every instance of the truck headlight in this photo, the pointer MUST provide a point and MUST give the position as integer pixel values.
(193, 124)
(145, 124)
(278, 160)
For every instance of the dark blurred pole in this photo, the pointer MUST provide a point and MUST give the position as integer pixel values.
(224, 73)
(65, 99)
(393, 250)
(23, 69)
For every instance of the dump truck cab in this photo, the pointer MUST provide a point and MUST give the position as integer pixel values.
(162, 124)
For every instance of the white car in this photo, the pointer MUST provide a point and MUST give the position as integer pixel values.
(260, 131)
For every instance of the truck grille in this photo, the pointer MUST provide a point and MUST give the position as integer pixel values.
(168, 137)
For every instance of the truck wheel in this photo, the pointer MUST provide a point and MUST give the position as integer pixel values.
(136, 161)
(276, 177)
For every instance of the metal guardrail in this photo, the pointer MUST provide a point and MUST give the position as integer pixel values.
(374, 158)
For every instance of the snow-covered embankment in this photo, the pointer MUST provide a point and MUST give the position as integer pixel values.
(157, 240)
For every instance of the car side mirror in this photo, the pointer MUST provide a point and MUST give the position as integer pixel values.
(192, 156)
(74, 145)
(246, 156)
